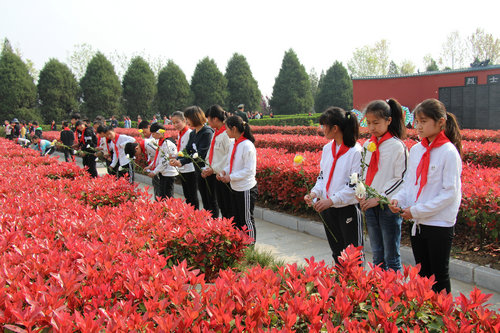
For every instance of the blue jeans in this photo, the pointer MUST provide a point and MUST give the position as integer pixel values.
(384, 230)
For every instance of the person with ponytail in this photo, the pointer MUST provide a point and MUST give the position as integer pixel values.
(332, 196)
(240, 173)
(187, 174)
(217, 158)
(386, 169)
(198, 145)
(432, 191)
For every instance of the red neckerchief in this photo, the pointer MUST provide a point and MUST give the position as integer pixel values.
(116, 147)
(336, 155)
(423, 166)
(76, 135)
(219, 131)
(82, 137)
(160, 143)
(40, 145)
(374, 160)
(181, 134)
(240, 139)
(142, 144)
(66, 129)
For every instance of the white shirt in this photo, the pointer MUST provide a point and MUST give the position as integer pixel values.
(150, 146)
(244, 166)
(163, 160)
(102, 144)
(392, 166)
(222, 146)
(440, 198)
(339, 192)
(189, 167)
(120, 143)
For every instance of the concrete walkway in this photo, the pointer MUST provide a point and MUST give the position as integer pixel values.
(293, 239)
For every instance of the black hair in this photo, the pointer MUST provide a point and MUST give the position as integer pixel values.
(78, 123)
(216, 111)
(143, 124)
(35, 123)
(178, 114)
(109, 129)
(65, 123)
(97, 122)
(102, 129)
(35, 137)
(434, 109)
(130, 148)
(99, 118)
(76, 116)
(345, 120)
(243, 127)
(155, 127)
(390, 109)
(196, 115)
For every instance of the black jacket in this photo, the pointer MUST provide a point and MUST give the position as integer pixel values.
(198, 143)
(89, 138)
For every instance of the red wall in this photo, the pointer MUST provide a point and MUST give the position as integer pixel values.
(411, 90)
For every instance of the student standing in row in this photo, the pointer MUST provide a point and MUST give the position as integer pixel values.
(161, 163)
(188, 179)
(199, 143)
(67, 138)
(240, 173)
(86, 141)
(385, 172)
(217, 157)
(432, 190)
(121, 163)
(332, 196)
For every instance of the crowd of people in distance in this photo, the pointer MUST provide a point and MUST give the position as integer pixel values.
(214, 155)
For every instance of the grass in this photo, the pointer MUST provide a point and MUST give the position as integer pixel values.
(254, 257)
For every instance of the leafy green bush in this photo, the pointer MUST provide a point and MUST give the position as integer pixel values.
(288, 120)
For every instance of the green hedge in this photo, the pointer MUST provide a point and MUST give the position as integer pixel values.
(288, 120)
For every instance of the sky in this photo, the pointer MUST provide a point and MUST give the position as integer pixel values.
(320, 32)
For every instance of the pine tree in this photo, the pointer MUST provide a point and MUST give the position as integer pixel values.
(139, 89)
(101, 88)
(292, 90)
(58, 91)
(335, 89)
(174, 92)
(17, 89)
(208, 84)
(241, 85)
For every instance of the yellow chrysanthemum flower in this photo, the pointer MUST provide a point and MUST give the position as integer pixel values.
(298, 159)
(371, 147)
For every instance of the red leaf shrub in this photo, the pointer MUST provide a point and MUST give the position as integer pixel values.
(66, 266)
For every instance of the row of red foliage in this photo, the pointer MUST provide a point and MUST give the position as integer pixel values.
(283, 184)
(69, 264)
(485, 154)
(467, 134)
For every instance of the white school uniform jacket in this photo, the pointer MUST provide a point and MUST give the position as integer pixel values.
(340, 192)
(222, 148)
(244, 166)
(189, 167)
(120, 143)
(392, 166)
(440, 198)
(162, 165)
(150, 145)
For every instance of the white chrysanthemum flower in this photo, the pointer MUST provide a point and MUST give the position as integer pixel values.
(195, 155)
(360, 190)
(354, 179)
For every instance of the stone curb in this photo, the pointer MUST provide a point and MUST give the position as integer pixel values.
(466, 272)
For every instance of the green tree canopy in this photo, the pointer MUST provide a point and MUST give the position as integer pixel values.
(17, 89)
(174, 92)
(58, 91)
(208, 84)
(241, 85)
(335, 89)
(370, 60)
(101, 88)
(292, 90)
(139, 88)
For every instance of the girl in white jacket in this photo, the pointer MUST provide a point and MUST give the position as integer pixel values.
(431, 192)
(386, 168)
(332, 196)
(240, 173)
